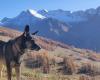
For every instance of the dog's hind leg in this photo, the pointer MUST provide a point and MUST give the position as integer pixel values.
(18, 74)
(9, 70)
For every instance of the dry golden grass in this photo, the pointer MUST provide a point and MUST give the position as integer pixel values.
(69, 66)
(84, 77)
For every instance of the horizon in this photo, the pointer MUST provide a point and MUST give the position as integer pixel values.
(14, 7)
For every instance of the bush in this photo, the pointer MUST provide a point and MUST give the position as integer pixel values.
(45, 62)
(69, 66)
(90, 69)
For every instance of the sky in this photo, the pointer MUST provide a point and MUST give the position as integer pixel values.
(11, 8)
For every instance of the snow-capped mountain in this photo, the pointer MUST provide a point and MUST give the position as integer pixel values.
(25, 17)
(65, 16)
(36, 22)
(79, 28)
(70, 17)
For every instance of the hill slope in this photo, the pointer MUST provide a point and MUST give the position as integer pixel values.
(54, 51)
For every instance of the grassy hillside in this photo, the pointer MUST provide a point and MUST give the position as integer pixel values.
(55, 61)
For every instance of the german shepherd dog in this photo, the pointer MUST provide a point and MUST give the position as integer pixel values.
(12, 50)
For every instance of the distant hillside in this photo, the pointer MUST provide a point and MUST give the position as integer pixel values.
(44, 42)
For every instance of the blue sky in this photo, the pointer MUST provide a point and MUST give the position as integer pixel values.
(11, 8)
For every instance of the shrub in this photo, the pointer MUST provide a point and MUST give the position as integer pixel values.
(45, 62)
(69, 66)
(90, 69)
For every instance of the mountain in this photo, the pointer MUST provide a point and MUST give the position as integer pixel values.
(25, 17)
(80, 28)
(84, 27)
(47, 27)
(68, 16)
(65, 16)
(36, 22)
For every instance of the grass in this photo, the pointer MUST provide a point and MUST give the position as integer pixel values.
(29, 74)
(36, 74)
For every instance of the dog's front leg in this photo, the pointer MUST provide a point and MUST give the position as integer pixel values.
(9, 70)
(17, 69)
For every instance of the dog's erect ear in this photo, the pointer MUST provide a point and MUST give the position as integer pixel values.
(35, 32)
(26, 29)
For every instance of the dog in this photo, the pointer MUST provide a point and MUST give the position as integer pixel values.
(11, 51)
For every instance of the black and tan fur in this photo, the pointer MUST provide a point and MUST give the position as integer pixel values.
(11, 51)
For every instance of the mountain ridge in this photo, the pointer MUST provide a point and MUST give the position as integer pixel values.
(82, 33)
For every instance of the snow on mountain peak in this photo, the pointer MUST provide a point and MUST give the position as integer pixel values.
(36, 14)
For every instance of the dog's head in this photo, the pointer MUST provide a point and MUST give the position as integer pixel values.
(27, 41)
